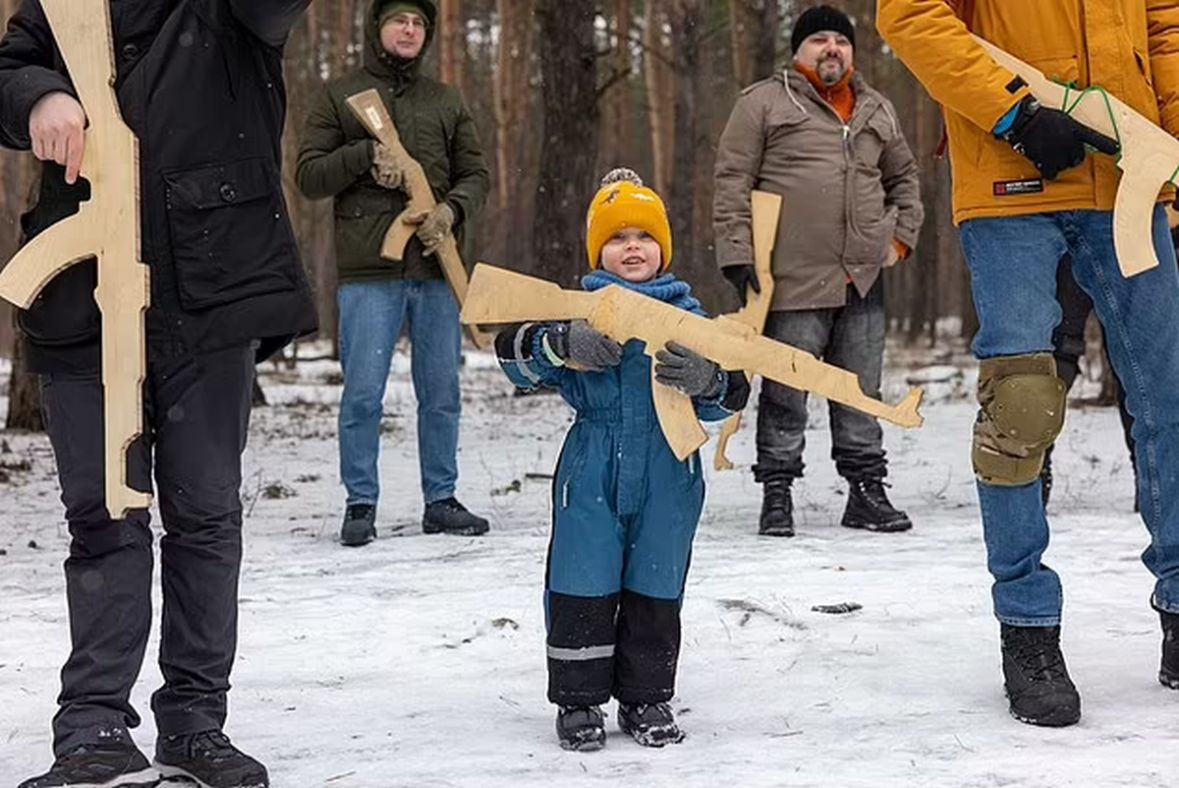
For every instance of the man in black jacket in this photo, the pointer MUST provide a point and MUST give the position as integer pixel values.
(200, 84)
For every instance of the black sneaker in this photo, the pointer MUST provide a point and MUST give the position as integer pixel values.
(210, 760)
(650, 724)
(448, 516)
(868, 507)
(581, 728)
(777, 509)
(360, 525)
(1169, 667)
(1038, 686)
(109, 764)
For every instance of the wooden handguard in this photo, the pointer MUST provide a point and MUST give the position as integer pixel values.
(106, 228)
(370, 110)
(500, 296)
(1149, 157)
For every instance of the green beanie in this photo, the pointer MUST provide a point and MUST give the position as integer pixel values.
(400, 7)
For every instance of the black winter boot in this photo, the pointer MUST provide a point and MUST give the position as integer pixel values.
(360, 525)
(581, 728)
(868, 507)
(116, 763)
(448, 516)
(650, 724)
(1038, 686)
(210, 760)
(1169, 668)
(777, 508)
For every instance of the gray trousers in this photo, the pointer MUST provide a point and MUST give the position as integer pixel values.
(196, 410)
(850, 337)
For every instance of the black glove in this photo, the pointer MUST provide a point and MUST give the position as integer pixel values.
(583, 345)
(688, 371)
(1052, 140)
(742, 277)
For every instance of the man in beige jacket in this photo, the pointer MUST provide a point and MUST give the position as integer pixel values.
(832, 147)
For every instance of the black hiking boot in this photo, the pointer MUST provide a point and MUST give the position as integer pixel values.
(1169, 668)
(210, 760)
(112, 763)
(360, 525)
(650, 724)
(1046, 478)
(777, 509)
(1038, 686)
(868, 507)
(581, 728)
(448, 516)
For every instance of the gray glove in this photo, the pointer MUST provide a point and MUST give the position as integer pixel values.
(386, 170)
(688, 371)
(433, 226)
(581, 344)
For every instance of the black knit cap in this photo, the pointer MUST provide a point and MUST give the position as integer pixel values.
(821, 17)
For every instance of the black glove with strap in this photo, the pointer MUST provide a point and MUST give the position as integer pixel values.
(1051, 139)
(742, 277)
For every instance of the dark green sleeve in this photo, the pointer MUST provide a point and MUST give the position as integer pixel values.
(328, 164)
(470, 177)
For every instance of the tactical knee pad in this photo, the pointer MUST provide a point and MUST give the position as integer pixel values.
(1021, 412)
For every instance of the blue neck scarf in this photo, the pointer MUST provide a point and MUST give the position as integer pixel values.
(665, 288)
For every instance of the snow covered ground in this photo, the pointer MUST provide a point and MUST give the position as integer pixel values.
(418, 661)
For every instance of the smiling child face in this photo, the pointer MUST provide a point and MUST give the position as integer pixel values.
(632, 254)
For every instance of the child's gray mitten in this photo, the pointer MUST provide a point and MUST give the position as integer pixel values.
(688, 371)
(581, 344)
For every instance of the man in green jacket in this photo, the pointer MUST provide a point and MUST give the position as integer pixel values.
(338, 159)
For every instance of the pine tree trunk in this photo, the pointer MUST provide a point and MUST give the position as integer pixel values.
(569, 149)
(513, 131)
(685, 44)
(452, 42)
(657, 69)
(753, 37)
(24, 396)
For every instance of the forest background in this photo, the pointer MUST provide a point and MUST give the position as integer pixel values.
(561, 91)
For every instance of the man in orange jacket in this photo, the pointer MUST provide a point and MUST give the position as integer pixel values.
(1027, 191)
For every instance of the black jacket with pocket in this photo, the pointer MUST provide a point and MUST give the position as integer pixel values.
(200, 84)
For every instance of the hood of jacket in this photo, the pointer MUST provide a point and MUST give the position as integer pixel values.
(382, 64)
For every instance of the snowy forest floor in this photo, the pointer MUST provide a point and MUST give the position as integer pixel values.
(419, 661)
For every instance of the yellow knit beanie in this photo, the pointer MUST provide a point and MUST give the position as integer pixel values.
(623, 201)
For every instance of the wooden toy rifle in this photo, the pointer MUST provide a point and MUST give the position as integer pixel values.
(764, 209)
(500, 296)
(106, 228)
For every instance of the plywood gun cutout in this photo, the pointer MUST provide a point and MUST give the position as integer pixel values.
(765, 209)
(1149, 157)
(106, 228)
(372, 114)
(500, 296)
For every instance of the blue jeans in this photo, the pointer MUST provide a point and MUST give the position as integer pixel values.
(371, 315)
(1013, 265)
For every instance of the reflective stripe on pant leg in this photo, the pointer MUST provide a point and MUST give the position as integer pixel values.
(580, 648)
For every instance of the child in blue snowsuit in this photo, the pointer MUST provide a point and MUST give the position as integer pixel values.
(624, 508)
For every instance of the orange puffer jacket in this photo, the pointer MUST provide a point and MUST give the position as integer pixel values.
(1128, 47)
